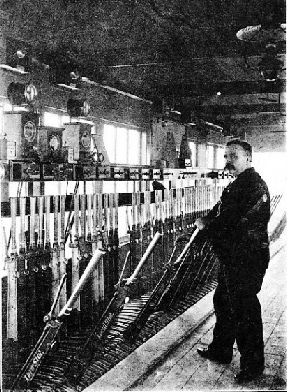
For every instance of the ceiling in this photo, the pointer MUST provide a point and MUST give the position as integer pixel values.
(176, 53)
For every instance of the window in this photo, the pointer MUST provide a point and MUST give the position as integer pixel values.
(220, 161)
(52, 120)
(144, 149)
(58, 120)
(210, 156)
(65, 120)
(121, 145)
(7, 107)
(109, 137)
(134, 153)
(125, 146)
(192, 147)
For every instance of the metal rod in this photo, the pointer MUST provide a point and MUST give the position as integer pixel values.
(85, 276)
(145, 256)
(62, 260)
(187, 247)
(75, 248)
(12, 317)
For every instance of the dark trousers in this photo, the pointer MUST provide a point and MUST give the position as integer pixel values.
(238, 318)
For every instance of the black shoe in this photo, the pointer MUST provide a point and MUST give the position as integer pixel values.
(206, 353)
(246, 375)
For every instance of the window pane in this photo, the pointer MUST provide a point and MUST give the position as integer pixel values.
(220, 161)
(122, 145)
(143, 149)
(210, 158)
(192, 147)
(51, 120)
(65, 120)
(109, 137)
(134, 147)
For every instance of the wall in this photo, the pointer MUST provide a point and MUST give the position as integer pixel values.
(105, 104)
(269, 145)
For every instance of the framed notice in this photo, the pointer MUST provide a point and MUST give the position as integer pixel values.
(11, 150)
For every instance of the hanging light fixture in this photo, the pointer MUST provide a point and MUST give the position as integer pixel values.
(18, 56)
(19, 93)
(30, 93)
(270, 66)
(260, 33)
(271, 28)
(78, 107)
(269, 33)
(15, 93)
(65, 73)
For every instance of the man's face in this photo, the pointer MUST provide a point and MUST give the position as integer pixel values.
(236, 159)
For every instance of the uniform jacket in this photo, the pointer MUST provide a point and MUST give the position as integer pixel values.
(238, 225)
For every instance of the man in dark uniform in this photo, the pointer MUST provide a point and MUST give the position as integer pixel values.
(237, 226)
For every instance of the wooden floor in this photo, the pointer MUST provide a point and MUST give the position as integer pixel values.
(184, 369)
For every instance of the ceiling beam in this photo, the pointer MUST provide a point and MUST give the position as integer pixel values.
(214, 110)
(235, 87)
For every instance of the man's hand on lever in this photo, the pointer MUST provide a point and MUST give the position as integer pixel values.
(201, 223)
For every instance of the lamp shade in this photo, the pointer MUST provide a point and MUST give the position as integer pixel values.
(77, 107)
(259, 33)
(15, 93)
